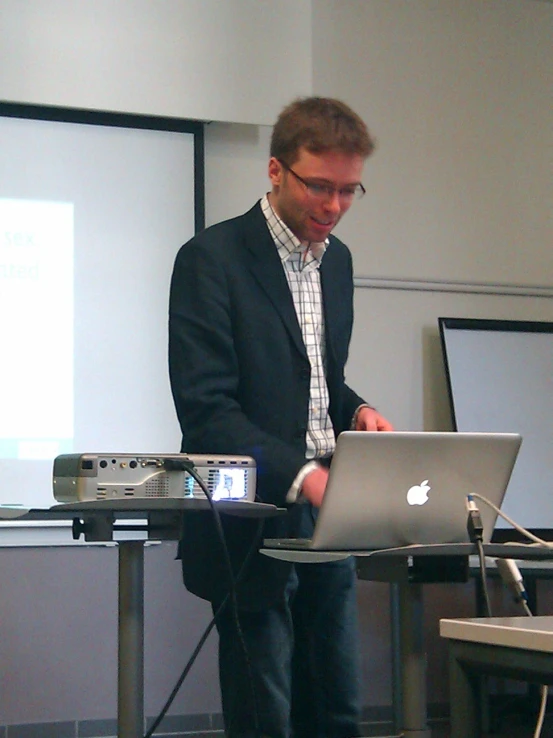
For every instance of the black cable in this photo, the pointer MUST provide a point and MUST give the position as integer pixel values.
(230, 596)
(483, 578)
(204, 636)
(475, 530)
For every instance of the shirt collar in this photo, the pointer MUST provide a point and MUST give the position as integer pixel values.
(286, 242)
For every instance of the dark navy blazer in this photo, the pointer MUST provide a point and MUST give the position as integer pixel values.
(240, 381)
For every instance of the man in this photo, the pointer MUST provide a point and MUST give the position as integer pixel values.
(261, 314)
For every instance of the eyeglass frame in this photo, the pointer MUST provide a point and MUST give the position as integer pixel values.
(326, 191)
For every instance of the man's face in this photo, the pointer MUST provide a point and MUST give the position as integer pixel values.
(312, 217)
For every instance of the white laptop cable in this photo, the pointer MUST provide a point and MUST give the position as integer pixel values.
(512, 579)
(516, 526)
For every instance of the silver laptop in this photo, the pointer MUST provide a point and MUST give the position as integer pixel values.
(401, 488)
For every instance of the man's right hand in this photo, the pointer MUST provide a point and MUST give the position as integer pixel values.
(314, 485)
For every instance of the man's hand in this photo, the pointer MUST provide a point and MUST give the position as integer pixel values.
(368, 419)
(314, 485)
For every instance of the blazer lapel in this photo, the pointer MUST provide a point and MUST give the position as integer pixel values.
(332, 301)
(266, 266)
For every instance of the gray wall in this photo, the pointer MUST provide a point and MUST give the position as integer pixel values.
(458, 94)
(58, 651)
(431, 238)
(188, 59)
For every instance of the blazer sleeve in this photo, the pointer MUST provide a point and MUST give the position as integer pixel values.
(351, 402)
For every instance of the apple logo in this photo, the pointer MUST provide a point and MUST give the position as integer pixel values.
(418, 494)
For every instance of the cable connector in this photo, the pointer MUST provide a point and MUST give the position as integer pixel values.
(512, 578)
(175, 464)
(475, 527)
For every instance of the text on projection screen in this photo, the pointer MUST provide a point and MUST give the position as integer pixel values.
(36, 324)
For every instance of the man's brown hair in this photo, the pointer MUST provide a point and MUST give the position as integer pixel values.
(319, 124)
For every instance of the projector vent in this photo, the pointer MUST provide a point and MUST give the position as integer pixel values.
(157, 487)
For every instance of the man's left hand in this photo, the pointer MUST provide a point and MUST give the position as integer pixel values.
(369, 419)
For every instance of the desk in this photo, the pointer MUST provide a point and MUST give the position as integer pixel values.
(518, 648)
(97, 521)
(408, 569)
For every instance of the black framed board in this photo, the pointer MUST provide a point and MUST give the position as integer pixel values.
(500, 378)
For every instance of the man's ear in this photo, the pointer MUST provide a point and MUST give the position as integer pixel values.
(276, 172)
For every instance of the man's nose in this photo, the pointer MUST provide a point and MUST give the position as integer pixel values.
(333, 203)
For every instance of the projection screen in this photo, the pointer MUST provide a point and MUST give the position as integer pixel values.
(93, 208)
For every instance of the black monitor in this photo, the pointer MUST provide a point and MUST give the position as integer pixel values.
(500, 378)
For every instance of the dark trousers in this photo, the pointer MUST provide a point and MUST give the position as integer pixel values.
(303, 660)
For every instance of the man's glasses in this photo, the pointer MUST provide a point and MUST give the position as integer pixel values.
(325, 191)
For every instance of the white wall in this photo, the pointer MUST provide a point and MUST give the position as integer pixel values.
(236, 158)
(238, 60)
(458, 94)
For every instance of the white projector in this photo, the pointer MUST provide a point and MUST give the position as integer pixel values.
(88, 477)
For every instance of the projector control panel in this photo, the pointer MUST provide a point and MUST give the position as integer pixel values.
(89, 476)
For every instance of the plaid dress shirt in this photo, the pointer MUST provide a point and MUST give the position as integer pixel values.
(301, 262)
